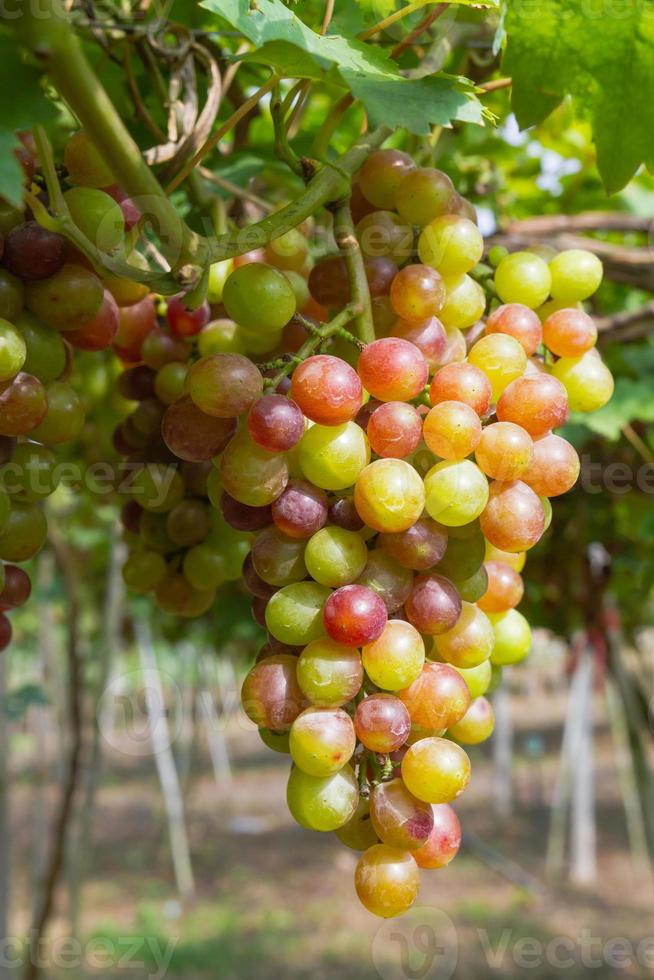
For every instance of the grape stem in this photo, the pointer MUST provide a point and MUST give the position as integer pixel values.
(312, 344)
(348, 244)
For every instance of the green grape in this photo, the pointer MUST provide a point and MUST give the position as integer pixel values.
(322, 803)
(259, 298)
(586, 379)
(523, 277)
(477, 724)
(512, 637)
(24, 534)
(477, 678)
(329, 673)
(436, 770)
(204, 567)
(423, 194)
(67, 300)
(389, 495)
(5, 509)
(322, 740)
(451, 244)
(218, 274)
(144, 571)
(465, 302)
(335, 557)
(456, 492)
(259, 343)
(13, 351)
(251, 474)
(169, 382)
(474, 587)
(97, 215)
(65, 417)
(220, 337)
(501, 357)
(333, 456)
(395, 659)
(464, 556)
(300, 287)
(358, 833)
(294, 614)
(576, 275)
(12, 296)
(31, 473)
(45, 349)
(153, 534)
(85, 164)
(157, 487)
(277, 741)
(547, 511)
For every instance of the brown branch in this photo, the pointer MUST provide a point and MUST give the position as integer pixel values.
(627, 325)
(43, 910)
(424, 25)
(549, 224)
(496, 83)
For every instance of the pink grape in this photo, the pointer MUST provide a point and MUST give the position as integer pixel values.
(434, 605)
(518, 321)
(569, 333)
(429, 337)
(420, 547)
(555, 466)
(462, 383)
(394, 430)
(513, 519)
(398, 817)
(392, 369)
(382, 722)
(536, 402)
(354, 615)
(505, 451)
(438, 698)
(452, 429)
(300, 510)
(444, 841)
(327, 389)
(271, 696)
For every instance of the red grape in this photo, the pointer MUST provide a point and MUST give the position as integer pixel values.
(191, 434)
(434, 605)
(276, 423)
(184, 322)
(518, 321)
(394, 430)
(327, 390)
(382, 722)
(462, 383)
(392, 369)
(513, 519)
(354, 615)
(300, 510)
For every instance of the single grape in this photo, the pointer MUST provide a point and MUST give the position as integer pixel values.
(23, 405)
(335, 556)
(438, 698)
(251, 474)
(184, 322)
(322, 740)
(569, 333)
(32, 252)
(501, 358)
(188, 523)
(462, 383)
(97, 216)
(382, 723)
(175, 596)
(452, 430)
(576, 275)
(464, 556)
(434, 605)
(66, 300)
(276, 423)
(354, 615)
(513, 519)
(516, 561)
(6, 632)
(444, 841)
(136, 323)
(204, 567)
(191, 434)
(519, 322)
(505, 588)
(389, 495)
(456, 492)
(451, 244)
(587, 381)
(524, 278)
(278, 559)
(554, 469)
(477, 724)
(242, 517)
(465, 303)
(157, 487)
(32, 473)
(160, 348)
(387, 578)
(428, 335)
(224, 385)
(423, 194)
(469, 642)
(295, 613)
(420, 547)
(477, 678)
(16, 588)
(259, 297)
(45, 350)
(333, 456)
(169, 383)
(221, 336)
(85, 164)
(392, 369)
(381, 175)
(394, 660)
(330, 674)
(271, 696)
(399, 819)
(505, 451)
(24, 533)
(537, 403)
(277, 741)
(417, 292)
(289, 251)
(327, 389)
(387, 880)
(358, 833)
(512, 637)
(394, 430)
(322, 803)
(436, 770)
(144, 571)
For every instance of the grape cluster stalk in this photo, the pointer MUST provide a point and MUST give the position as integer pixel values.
(377, 500)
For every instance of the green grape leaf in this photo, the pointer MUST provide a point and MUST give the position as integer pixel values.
(283, 42)
(632, 401)
(603, 58)
(22, 105)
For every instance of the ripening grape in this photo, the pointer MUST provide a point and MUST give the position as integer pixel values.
(191, 434)
(477, 678)
(424, 194)
(327, 389)
(393, 369)
(501, 358)
(470, 641)
(555, 467)
(417, 292)
(288, 252)
(519, 322)
(23, 405)
(381, 174)
(525, 278)
(250, 474)
(576, 275)
(394, 430)
(505, 451)
(513, 519)
(295, 614)
(387, 880)
(270, 694)
(395, 658)
(354, 615)
(389, 495)
(16, 588)
(387, 578)
(204, 567)
(322, 803)
(428, 335)
(452, 430)
(335, 556)
(188, 523)
(512, 637)
(420, 547)
(477, 724)
(322, 740)
(438, 698)
(259, 297)
(451, 244)
(97, 216)
(444, 841)
(434, 605)
(333, 456)
(569, 333)
(358, 833)
(144, 571)
(221, 336)
(32, 473)
(537, 403)
(157, 487)
(456, 492)
(300, 510)
(343, 513)
(32, 252)
(464, 304)
(462, 383)
(276, 423)
(64, 418)
(329, 674)
(99, 332)
(24, 533)
(382, 722)
(505, 588)
(515, 561)
(278, 559)
(136, 324)
(436, 770)
(224, 385)
(183, 321)
(384, 234)
(464, 555)
(85, 164)
(241, 516)
(45, 349)
(472, 588)
(66, 300)
(587, 381)
(175, 596)
(398, 817)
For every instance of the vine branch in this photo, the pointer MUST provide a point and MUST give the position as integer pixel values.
(348, 244)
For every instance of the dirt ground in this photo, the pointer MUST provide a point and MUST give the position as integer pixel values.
(276, 902)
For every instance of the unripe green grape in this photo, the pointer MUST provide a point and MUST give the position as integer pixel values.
(288, 252)
(157, 487)
(97, 215)
(477, 724)
(333, 456)
(204, 567)
(251, 474)
(65, 417)
(389, 495)
(31, 473)
(257, 343)
(67, 300)
(465, 302)
(45, 349)
(277, 741)
(470, 641)
(5, 509)
(496, 254)
(477, 678)
(436, 770)
(169, 382)
(587, 380)
(523, 277)
(576, 275)
(12, 351)
(464, 556)
(451, 244)
(502, 359)
(189, 522)
(294, 614)
(299, 286)
(144, 571)
(259, 298)
(85, 164)
(473, 588)
(335, 557)
(322, 740)
(24, 534)
(218, 274)
(224, 385)
(153, 534)
(358, 833)
(546, 504)
(512, 637)
(322, 803)
(12, 296)
(329, 673)
(220, 337)
(455, 492)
